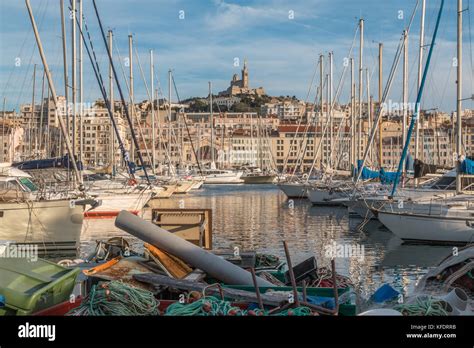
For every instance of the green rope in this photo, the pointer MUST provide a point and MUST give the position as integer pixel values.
(266, 260)
(117, 298)
(424, 306)
(212, 306)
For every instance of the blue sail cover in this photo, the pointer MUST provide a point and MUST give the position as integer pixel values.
(58, 162)
(385, 177)
(467, 166)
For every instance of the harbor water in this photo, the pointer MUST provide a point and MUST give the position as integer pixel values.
(260, 217)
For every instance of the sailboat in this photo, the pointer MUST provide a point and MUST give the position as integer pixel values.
(439, 220)
(213, 175)
(27, 218)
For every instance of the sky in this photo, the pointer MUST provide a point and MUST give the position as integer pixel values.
(203, 40)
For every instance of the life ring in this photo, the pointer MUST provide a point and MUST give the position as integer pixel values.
(305, 176)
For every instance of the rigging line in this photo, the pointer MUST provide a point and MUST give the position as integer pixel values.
(299, 125)
(336, 98)
(22, 89)
(186, 125)
(27, 35)
(418, 98)
(130, 122)
(151, 101)
(132, 100)
(385, 94)
(294, 140)
(103, 91)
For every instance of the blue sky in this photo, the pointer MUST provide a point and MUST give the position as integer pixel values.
(281, 51)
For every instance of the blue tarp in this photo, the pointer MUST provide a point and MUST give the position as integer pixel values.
(385, 177)
(384, 293)
(58, 162)
(467, 166)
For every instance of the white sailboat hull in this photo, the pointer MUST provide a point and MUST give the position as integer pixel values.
(293, 190)
(324, 196)
(112, 204)
(52, 225)
(225, 178)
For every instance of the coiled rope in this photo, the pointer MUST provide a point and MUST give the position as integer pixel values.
(117, 298)
(212, 306)
(424, 306)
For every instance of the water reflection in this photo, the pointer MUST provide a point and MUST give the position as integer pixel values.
(260, 218)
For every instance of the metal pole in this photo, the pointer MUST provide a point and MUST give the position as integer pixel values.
(361, 57)
(330, 101)
(4, 117)
(53, 93)
(81, 87)
(112, 105)
(73, 67)
(420, 68)
(328, 115)
(153, 146)
(41, 113)
(353, 123)
(459, 99)
(131, 106)
(292, 274)
(321, 86)
(169, 122)
(30, 127)
(65, 72)
(380, 103)
(369, 111)
(212, 126)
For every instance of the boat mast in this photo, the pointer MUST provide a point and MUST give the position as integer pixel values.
(55, 98)
(361, 56)
(369, 111)
(418, 99)
(30, 130)
(131, 106)
(353, 157)
(169, 122)
(81, 87)
(4, 119)
(459, 98)
(330, 101)
(380, 103)
(405, 89)
(73, 78)
(65, 72)
(153, 145)
(329, 119)
(321, 86)
(41, 113)
(420, 67)
(211, 119)
(112, 105)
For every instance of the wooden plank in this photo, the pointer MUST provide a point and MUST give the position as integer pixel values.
(272, 299)
(175, 267)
